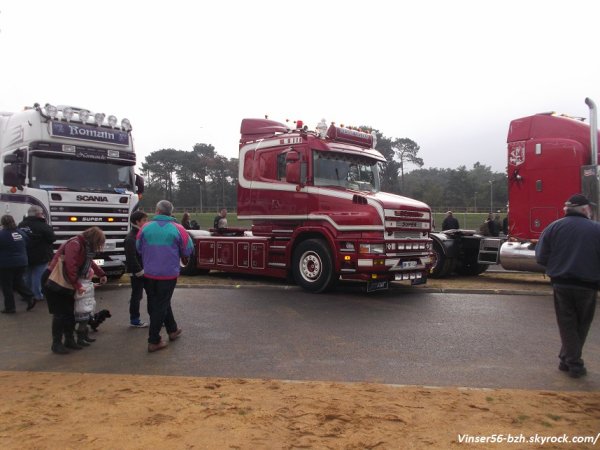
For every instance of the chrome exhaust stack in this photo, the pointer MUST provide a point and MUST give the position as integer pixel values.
(593, 130)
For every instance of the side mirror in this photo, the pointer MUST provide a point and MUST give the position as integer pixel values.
(13, 175)
(139, 184)
(11, 159)
(292, 167)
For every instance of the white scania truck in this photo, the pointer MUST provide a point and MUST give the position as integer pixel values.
(78, 167)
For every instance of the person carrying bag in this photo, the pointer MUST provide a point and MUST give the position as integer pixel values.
(74, 259)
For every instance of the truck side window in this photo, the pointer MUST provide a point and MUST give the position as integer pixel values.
(267, 164)
(281, 167)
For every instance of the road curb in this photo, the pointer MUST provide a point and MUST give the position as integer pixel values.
(403, 289)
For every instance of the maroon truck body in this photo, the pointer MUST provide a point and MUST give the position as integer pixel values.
(317, 212)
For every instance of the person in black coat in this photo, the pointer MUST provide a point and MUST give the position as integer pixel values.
(39, 248)
(13, 262)
(450, 222)
(135, 268)
(569, 249)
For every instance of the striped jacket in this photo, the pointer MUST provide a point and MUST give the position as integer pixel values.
(162, 242)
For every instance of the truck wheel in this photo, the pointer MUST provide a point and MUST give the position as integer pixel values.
(471, 269)
(442, 265)
(189, 269)
(312, 266)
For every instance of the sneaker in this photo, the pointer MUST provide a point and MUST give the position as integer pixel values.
(156, 347)
(138, 324)
(175, 334)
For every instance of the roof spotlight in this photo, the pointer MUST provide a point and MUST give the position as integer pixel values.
(99, 118)
(126, 124)
(68, 113)
(112, 121)
(84, 115)
(51, 110)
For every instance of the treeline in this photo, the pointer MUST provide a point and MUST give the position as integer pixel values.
(203, 181)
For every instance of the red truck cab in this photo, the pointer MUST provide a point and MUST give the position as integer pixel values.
(318, 213)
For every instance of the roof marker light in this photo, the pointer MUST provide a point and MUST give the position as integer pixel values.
(112, 121)
(374, 138)
(322, 128)
(126, 124)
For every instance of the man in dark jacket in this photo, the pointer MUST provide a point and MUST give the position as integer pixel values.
(135, 268)
(13, 261)
(569, 248)
(450, 222)
(39, 248)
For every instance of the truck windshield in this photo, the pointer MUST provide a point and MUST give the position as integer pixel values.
(346, 171)
(79, 175)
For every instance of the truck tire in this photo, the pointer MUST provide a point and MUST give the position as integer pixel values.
(442, 265)
(189, 269)
(312, 266)
(471, 269)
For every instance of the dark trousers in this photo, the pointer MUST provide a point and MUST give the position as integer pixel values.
(12, 280)
(159, 294)
(575, 307)
(137, 293)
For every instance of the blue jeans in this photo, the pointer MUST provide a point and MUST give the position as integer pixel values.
(33, 279)
(137, 293)
(159, 294)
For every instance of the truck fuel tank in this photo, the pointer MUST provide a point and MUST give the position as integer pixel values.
(519, 256)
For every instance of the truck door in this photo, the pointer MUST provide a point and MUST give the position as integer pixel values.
(278, 196)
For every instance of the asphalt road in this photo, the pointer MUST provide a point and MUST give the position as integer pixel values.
(470, 340)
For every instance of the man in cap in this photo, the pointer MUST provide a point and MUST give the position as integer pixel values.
(569, 248)
(450, 222)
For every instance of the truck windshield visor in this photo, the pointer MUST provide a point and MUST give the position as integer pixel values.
(80, 175)
(346, 171)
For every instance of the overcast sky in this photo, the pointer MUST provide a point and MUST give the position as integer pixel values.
(448, 74)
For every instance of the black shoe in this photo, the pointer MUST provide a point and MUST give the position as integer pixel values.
(8, 311)
(31, 303)
(577, 372)
(81, 342)
(59, 349)
(563, 367)
(87, 338)
(70, 343)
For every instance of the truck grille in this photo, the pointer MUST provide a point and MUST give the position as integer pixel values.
(68, 221)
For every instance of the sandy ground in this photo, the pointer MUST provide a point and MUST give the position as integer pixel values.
(91, 411)
(95, 411)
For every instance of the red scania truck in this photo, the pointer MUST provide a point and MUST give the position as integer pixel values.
(317, 212)
(550, 157)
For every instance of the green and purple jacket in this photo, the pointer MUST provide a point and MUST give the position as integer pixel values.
(162, 242)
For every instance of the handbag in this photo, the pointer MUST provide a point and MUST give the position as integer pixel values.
(57, 282)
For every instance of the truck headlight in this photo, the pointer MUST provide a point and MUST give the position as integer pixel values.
(372, 248)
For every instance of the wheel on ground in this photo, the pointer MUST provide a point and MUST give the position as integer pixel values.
(312, 266)
(471, 268)
(189, 267)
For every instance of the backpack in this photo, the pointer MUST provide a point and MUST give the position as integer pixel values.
(216, 222)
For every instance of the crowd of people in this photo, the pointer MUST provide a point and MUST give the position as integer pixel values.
(156, 248)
